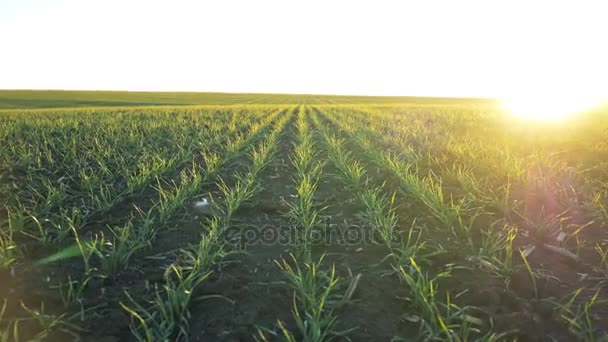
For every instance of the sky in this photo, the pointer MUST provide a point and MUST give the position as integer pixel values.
(430, 48)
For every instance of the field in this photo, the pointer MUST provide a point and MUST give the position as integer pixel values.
(12, 99)
(299, 218)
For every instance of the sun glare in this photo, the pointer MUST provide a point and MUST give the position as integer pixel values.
(547, 108)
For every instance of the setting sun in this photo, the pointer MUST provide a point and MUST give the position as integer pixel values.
(549, 107)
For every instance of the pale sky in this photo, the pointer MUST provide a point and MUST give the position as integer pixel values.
(432, 48)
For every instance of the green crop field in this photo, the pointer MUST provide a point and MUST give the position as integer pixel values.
(13, 99)
(242, 217)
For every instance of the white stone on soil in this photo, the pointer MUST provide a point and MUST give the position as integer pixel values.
(202, 207)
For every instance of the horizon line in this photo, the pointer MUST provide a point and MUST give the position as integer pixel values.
(250, 92)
